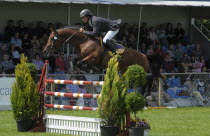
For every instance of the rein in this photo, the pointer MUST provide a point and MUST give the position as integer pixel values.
(52, 48)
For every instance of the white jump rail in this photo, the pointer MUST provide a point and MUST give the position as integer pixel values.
(78, 126)
(75, 82)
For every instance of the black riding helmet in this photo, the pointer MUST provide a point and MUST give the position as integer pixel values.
(85, 12)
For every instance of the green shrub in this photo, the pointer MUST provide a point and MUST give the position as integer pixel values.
(134, 102)
(136, 76)
(33, 70)
(24, 97)
(112, 101)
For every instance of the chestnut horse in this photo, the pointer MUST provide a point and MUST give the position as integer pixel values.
(90, 51)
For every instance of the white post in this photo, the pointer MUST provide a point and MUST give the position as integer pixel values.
(108, 11)
(69, 15)
(193, 21)
(67, 51)
(97, 10)
(140, 13)
(159, 91)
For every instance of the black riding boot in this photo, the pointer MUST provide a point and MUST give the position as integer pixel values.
(110, 46)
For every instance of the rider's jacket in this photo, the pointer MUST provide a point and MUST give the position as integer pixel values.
(99, 25)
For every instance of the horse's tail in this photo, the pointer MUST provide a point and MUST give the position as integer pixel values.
(155, 63)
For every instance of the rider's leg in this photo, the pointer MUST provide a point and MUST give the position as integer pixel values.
(108, 37)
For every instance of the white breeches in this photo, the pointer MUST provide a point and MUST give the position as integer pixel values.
(110, 35)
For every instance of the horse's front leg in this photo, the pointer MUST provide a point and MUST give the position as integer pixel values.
(90, 60)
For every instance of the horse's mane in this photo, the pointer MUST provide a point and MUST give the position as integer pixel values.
(69, 27)
(77, 29)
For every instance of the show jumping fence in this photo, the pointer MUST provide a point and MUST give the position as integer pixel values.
(62, 124)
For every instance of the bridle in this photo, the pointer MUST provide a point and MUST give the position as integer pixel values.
(56, 38)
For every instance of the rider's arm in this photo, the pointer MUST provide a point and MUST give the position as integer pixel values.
(95, 31)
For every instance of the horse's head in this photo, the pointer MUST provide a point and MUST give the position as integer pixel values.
(59, 37)
(53, 43)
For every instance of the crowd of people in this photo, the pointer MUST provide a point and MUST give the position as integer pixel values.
(180, 55)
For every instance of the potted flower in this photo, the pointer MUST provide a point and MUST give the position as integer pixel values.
(135, 102)
(112, 101)
(141, 123)
(24, 97)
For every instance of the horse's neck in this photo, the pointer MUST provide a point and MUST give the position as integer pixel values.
(79, 40)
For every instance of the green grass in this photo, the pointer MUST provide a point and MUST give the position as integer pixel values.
(164, 122)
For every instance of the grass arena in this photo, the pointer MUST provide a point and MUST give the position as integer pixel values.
(165, 122)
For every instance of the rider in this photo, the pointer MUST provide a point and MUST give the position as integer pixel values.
(100, 25)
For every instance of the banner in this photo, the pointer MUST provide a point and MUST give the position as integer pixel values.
(5, 91)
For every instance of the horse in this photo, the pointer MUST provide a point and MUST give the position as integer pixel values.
(90, 50)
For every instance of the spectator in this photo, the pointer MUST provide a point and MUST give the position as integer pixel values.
(39, 63)
(143, 48)
(3, 50)
(10, 30)
(33, 51)
(159, 50)
(197, 52)
(131, 40)
(7, 66)
(124, 41)
(14, 53)
(185, 63)
(203, 60)
(204, 69)
(16, 40)
(134, 30)
(153, 36)
(59, 71)
(150, 49)
(168, 64)
(21, 29)
(73, 88)
(192, 89)
(69, 67)
(59, 61)
(170, 33)
(40, 30)
(34, 40)
(147, 41)
(26, 44)
(178, 54)
(161, 35)
(197, 66)
(171, 50)
(179, 33)
(143, 30)
(43, 39)
(124, 30)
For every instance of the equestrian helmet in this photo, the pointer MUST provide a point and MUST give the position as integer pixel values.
(85, 12)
